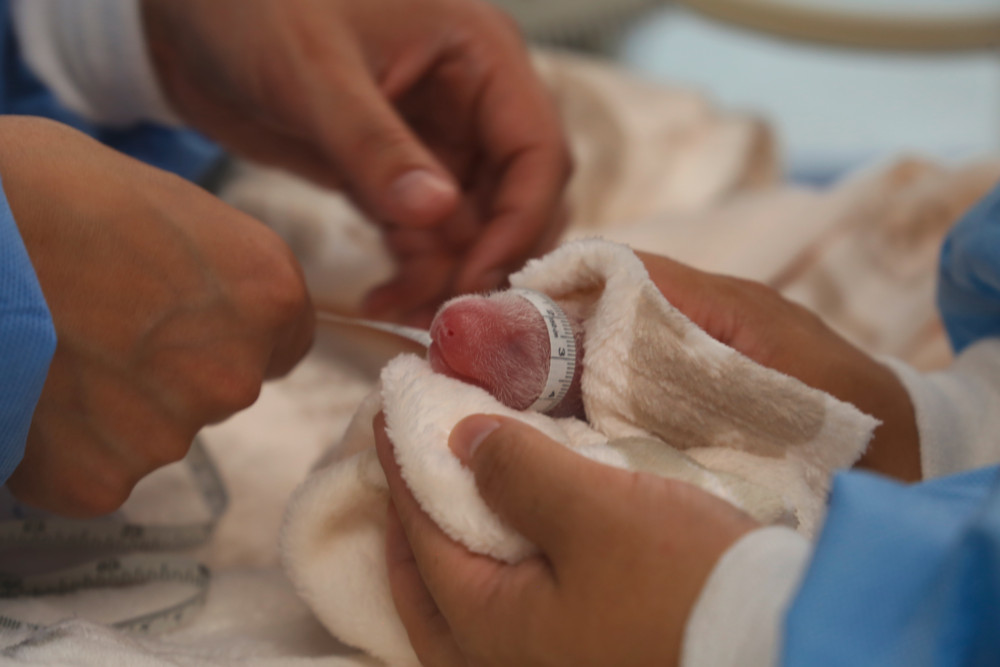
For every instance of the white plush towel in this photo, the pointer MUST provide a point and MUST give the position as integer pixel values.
(660, 396)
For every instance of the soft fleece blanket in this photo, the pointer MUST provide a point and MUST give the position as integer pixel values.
(660, 396)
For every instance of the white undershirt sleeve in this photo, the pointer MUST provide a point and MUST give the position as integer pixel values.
(92, 55)
(739, 615)
(958, 410)
(737, 620)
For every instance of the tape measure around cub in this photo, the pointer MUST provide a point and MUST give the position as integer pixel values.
(562, 349)
(123, 568)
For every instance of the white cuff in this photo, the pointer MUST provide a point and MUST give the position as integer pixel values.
(957, 410)
(739, 616)
(92, 55)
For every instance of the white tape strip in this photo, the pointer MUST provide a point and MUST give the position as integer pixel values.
(123, 568)
(562, 350)
(418, 336)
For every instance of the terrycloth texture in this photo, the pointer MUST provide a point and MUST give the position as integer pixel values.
(653, 384)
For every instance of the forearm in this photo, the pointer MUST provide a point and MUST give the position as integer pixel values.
(92, 55)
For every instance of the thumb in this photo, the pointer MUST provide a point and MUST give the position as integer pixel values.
(388, 170)
(542, 489)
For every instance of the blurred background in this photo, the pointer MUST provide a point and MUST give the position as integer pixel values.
(924, 79)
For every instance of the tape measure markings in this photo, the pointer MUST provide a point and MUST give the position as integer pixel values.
(122, 570)
(562, 349)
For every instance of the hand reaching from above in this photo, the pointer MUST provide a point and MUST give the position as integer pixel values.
(170, 309)
(427, 113)
(624, 557)
(757, 321)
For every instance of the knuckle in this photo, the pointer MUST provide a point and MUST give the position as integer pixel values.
(89, 496)
(166, 451)
(503, 20)
(206, 388)
(280, 292)
(233, 389)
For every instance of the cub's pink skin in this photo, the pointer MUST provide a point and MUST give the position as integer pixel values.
(500, 343)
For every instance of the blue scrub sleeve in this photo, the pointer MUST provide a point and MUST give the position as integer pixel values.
(903, 576)
(183, 152)
(27, 342)
(910, 575)
(969, 281)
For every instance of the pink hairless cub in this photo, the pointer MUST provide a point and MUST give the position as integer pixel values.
(504, 343)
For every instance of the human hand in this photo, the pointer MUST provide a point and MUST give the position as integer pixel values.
(170, 309)
(758, 322)
(624, 556)
(428, 114)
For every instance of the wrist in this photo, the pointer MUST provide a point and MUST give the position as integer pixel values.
(895, 448)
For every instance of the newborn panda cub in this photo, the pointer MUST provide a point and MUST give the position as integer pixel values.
(501, 343)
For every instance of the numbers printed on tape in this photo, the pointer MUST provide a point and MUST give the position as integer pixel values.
(562, 346)
(121, 570)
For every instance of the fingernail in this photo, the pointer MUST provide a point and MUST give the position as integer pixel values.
(422, 192)
(469, 433)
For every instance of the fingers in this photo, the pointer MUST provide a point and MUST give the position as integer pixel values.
(295, 338)
(526, 168)
(450, 562)
(292, 344)
(682, 285)
(411, 297)
(228, 124)
(542, 489)
(728, 309)
(426, 627)
(475, 595)
(525, 216)
(387, 169)
(426, 264)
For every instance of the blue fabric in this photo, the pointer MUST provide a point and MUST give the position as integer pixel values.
(27, 342)
(903, 575)
(969, 281)
(183, 152)
(910, 575)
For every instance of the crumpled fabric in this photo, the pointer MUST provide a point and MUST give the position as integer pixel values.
(660, 395)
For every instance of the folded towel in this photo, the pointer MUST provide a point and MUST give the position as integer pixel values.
(660, 396)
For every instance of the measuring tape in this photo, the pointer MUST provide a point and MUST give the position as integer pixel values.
(128, 569)
(562, 343)
(562, 350)
(418, 336)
